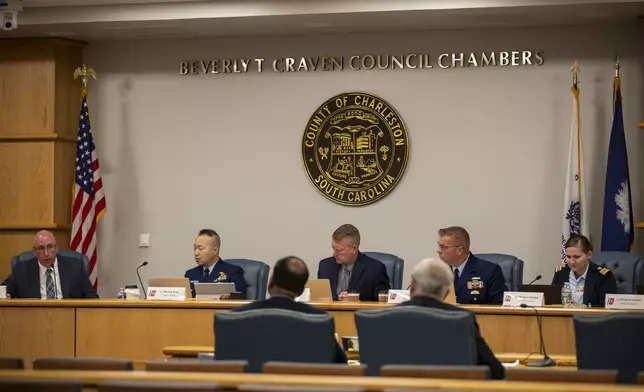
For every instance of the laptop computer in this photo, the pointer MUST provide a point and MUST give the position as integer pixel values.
(320, 290)
(213, 290)
(171, 282)
(551, 292)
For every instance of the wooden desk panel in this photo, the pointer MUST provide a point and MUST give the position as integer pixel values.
(502, 331)
(140, 334)
(506, 333)
(139, 330)
(36, 332)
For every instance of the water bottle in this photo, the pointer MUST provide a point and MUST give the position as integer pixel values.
(566, 295)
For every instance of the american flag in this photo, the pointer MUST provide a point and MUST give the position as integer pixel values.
(89, 201)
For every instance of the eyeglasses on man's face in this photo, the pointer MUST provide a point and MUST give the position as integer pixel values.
(445, 247)
(43, 248)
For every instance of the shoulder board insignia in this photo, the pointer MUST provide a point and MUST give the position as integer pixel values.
(560, 267)
(603, 271)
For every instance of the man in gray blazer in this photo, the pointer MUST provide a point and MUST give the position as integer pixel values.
(49, 275)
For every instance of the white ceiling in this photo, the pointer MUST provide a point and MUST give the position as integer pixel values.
(90, 20)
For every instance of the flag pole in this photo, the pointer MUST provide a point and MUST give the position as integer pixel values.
(617, 66)
(88, 198)
(83, 72)
(575, 75)
(616, 80)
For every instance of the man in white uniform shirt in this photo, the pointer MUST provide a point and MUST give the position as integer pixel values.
(49, 275)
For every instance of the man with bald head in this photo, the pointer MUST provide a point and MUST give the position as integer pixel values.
(289, 278)
(431, 282)
(49, 275)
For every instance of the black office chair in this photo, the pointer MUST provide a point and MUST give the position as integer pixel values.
(394, 265)
(63, 252)
(611, 341)
(284, 335)
(255, 275)
(413, 335)
(511, 266)
(627, 267)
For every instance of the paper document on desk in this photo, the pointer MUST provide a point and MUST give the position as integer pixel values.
(398, 296)
(305, 297)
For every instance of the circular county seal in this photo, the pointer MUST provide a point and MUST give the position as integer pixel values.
(355, 148)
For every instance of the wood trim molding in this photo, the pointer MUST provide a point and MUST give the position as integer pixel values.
(38, 138)
(46, 226)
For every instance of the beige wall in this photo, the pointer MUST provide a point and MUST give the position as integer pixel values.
(488, 146)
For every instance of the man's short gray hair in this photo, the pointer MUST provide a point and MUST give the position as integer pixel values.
(433, 278)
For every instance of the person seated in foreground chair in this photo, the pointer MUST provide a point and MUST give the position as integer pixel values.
(476, 281)
(351, 271)
(289, 278)
(49, 275)
(589, 282)
(210, 267)
(431, 282)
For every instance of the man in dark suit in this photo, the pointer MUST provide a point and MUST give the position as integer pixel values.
(431, 282)
(351, 271)
(49, 275)
(476, 281)
(210, 267)
(289, 278)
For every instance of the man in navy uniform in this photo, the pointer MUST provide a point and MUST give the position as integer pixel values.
(589, 282)
(210, 267)
(289, 278)
(476, 281)
(351, 271)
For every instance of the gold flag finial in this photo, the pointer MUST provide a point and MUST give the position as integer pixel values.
(84, 71)
(617, 65)
(575, 74)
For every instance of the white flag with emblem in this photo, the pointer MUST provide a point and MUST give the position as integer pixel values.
(575, 219)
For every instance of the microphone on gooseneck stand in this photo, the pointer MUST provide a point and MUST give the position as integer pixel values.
(546, 361)
(145, 294)
(535, 279)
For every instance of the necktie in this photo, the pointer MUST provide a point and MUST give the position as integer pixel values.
(49, 284)
(206, 273)
(457, 275)
(343, 280)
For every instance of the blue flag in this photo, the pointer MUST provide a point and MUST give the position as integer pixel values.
(617, 228)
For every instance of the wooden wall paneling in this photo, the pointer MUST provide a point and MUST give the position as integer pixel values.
(26, 187)
(64, 164)
(26, 88)
(68, 90)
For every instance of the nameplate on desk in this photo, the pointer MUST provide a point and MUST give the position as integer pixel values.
(624, 301)
(514, 299)
(167, 293)
(398, 296)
